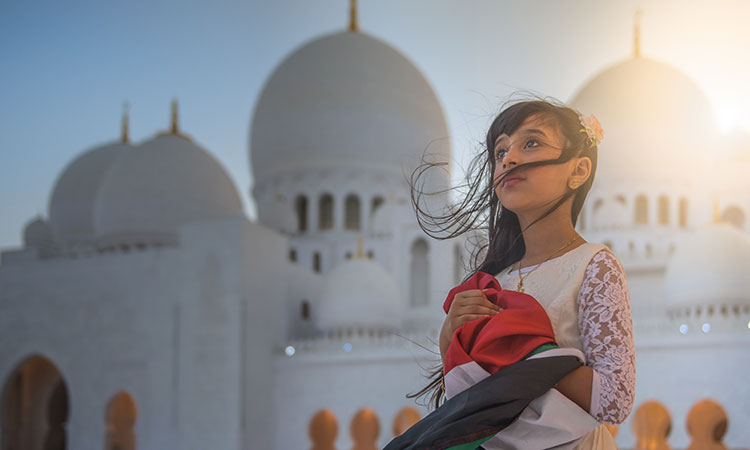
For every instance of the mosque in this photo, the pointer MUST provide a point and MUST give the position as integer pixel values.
(146, 310)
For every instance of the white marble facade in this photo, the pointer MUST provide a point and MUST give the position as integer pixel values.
(148, 278)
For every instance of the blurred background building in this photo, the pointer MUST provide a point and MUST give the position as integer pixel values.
(137, 312)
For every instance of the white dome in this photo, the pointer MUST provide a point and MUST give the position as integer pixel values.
(359, 294)
(346, 100)
(709, 267)
(38, 233)
(71, 206)
(158, 186)
(657, 122)
(611, 214)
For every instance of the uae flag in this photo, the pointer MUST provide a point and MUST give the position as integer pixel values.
(500, 373)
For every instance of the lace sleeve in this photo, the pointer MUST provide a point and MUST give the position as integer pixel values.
(607, 335)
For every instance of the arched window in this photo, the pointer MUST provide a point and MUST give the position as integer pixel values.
(292, 255)
(641, 210)
(352, 212)
(325, 212)
(683, 212)
(420, 273)
(122, 413)
(305, 310)
(376, 202)
(316, 262)
(734, 215)
(35, 406)
(300, 205)
(664, 210)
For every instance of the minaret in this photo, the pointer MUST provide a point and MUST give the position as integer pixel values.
(125, 136)
(637, 34)
(353, 25)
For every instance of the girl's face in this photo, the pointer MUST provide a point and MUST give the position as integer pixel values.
(528, 189)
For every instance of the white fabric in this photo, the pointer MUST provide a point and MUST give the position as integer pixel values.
(589, 279)
(550, 421)
(607, 332)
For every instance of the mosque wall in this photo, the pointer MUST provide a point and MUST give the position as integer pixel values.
(106, 323)
(680, 372)
(346, 383)
(182, 330)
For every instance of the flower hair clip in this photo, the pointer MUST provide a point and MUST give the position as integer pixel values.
(592, 128)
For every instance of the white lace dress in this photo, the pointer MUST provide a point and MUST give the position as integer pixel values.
(585, 295)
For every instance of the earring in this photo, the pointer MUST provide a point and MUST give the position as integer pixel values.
(573, 184)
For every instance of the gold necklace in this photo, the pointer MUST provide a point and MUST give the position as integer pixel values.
(520, 288)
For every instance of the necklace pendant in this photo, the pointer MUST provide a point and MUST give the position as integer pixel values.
(521, 290)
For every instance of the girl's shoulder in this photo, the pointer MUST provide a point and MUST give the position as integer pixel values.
(604, 264)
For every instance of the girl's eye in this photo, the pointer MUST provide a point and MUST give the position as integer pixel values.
(499, 153)
(531, 141)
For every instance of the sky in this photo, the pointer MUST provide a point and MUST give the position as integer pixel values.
(66, 68)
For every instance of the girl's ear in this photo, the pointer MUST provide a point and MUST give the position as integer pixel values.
(581, 171)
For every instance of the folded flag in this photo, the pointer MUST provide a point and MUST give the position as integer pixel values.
(495, 342)
(499, 375)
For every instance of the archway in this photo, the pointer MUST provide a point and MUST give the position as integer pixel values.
(35, 407)
(122, 413)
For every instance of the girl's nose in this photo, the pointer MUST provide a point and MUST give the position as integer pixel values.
(507, 162)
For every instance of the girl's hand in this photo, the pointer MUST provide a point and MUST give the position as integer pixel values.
(467, 305)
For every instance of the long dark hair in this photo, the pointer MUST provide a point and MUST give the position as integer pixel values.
(480, 213)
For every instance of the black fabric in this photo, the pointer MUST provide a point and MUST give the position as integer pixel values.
(487, 407)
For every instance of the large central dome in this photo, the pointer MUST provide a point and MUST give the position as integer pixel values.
(345, 100)
(656, 120)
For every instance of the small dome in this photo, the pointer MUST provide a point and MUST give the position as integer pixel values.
(709, 267)
(158, 186)
(71, 206)
(346, 100)
(656, 121)
(612, 214)
(359, 293)
(38, 233)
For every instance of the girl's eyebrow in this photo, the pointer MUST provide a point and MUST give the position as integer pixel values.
(504, 137)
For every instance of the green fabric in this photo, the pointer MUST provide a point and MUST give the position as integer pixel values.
(471, 445)
(542, 348)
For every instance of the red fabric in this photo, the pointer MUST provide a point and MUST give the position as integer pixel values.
(497, 341)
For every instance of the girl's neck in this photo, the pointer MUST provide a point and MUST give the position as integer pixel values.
(544, 239)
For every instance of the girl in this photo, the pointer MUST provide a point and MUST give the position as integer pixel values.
(538, 168)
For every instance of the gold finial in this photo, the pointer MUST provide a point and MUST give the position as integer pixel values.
(360, 247)
(353, 25)
(125, 136)
(174, 129)
(637, 34)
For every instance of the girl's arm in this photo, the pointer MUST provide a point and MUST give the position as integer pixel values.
(605, 387)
